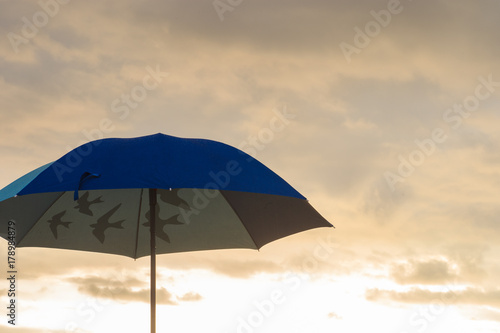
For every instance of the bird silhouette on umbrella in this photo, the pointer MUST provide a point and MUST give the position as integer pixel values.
(84, 204)
(103, 224)
(161, 223)
(56, 221)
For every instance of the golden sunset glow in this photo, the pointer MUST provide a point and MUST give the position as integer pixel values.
(384, 114)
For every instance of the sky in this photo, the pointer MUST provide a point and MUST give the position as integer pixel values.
(388, 116)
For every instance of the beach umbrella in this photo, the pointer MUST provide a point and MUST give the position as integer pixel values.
(152, 195)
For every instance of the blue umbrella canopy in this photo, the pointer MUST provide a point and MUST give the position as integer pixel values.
(209, 196)
(203, 194)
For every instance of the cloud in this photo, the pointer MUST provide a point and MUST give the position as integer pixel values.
(461, 262)
(471, 260)
(483, 314)
(278, 26)
(382, 203)
(128, 289)
(244, 269)
(78, 68)
(434, 271)
(190, 297)
(468, 296)
(239, 264)
(333, 315)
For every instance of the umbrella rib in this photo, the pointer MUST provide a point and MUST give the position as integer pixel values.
(138, 223)
(39, 217)
(241, 220)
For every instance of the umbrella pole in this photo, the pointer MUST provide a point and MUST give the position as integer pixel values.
(152, 231)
